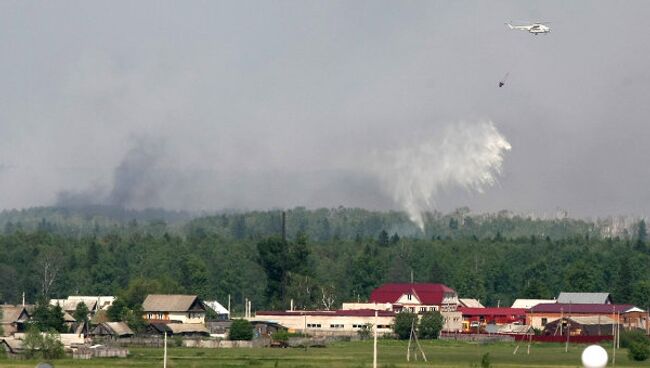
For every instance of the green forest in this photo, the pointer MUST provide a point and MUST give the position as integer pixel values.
(329, 256)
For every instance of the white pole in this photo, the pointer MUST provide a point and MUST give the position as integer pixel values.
(228, 306)
(165, 352)
(23, 298)
(374, 354)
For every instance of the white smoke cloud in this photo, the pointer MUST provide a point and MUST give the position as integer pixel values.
(465, 155)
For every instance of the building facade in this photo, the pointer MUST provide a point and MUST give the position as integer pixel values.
(174, 308)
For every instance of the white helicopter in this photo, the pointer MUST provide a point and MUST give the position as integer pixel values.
(534, 28)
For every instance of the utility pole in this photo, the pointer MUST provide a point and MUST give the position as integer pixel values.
(165, 352)
(228, 306)
(374, 348)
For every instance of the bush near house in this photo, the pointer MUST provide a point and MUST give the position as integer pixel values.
(241, 329)
(639, 351)
(403, 323)
(430, 325)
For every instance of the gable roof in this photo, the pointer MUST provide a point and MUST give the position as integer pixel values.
(529, 303)
(70, 305)
(188, 328)
(584, 298)
(567, 309)
(217, 307)
(429, 294)
(118, 328)
(12, 314)
(172, 303)
(470, 303)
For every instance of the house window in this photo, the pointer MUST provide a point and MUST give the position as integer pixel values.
(150, 316)
(409, 296)
(313, 325)
(544, 321)
(423, 309)
(160, 315)
(336, 326)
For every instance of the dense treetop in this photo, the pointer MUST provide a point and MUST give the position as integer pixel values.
(330, 256)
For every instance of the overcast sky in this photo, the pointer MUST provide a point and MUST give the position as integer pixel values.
(206, 105)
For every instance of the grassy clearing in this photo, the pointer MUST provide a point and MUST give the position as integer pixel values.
(351, 354)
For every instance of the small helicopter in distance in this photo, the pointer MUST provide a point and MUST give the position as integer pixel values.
(534, 28)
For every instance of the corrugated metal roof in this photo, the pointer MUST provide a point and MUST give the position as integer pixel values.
(529, 303)
(168, 303)
(339, 313)
(217, 307)
(470, 303)
(602, 320)
(428, 294)
(492, 311)
(584, 298)
(582, 308)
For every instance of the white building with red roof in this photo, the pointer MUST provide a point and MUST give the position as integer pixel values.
(416, 298)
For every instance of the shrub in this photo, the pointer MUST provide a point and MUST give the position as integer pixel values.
(365, 331)
(403, 323)
(639, 351)
(178, 341)
(52, 347)
(47, 345)
(32, 342)
(630, 336)
(241, 329)
(430, 325)
(281, 335)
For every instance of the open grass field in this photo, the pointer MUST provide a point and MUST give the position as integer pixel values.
(349, 354)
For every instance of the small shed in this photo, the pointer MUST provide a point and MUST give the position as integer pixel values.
(188, 329)
(113, 329)
(178, 329)
(580, 326)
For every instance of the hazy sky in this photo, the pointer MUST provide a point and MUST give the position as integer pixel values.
(256, 104)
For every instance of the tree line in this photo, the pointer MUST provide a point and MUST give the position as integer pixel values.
(328, 257)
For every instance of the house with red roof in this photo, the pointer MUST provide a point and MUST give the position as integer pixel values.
(416, 297)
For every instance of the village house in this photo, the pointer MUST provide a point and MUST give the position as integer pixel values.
(173, 308)
(93, 303)
(14, 318)
(422, 297)
(113, 330)
(630, 316)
